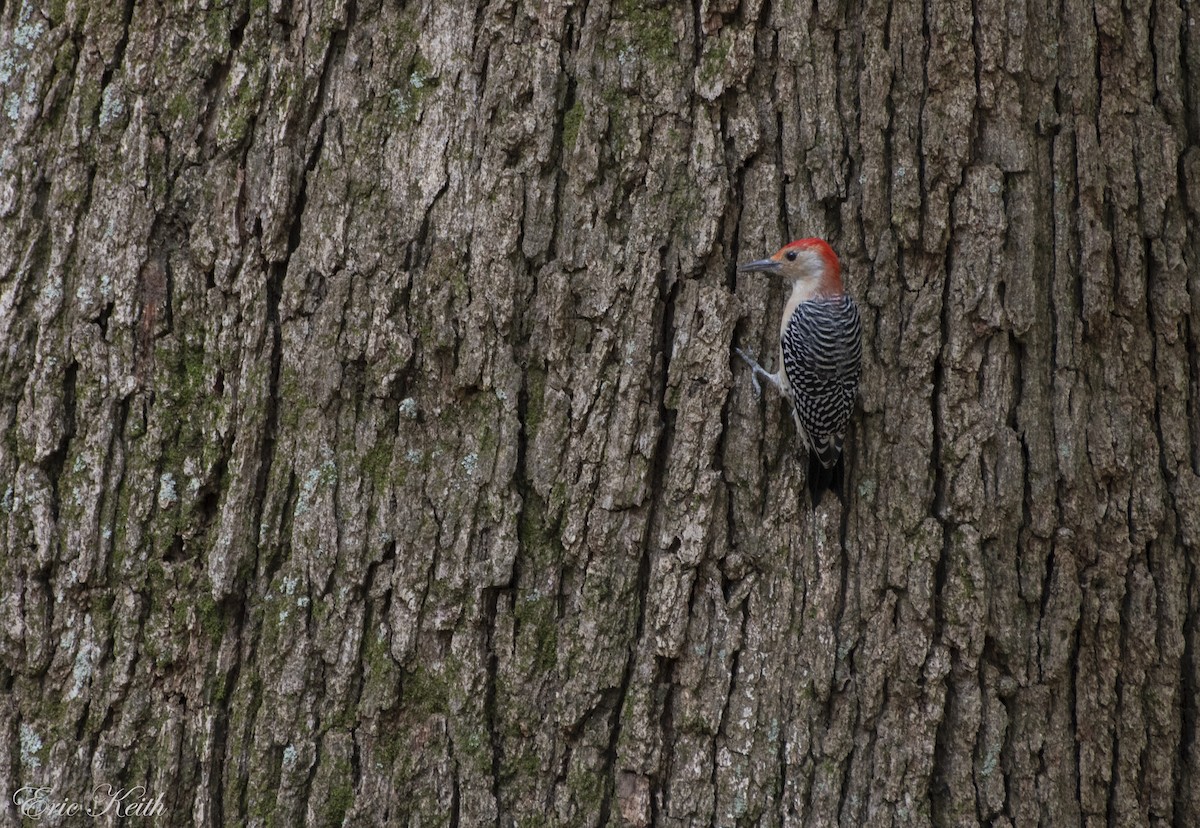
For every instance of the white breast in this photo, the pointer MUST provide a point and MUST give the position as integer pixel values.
(802, 291)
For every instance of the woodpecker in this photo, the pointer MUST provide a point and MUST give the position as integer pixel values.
(820, 355)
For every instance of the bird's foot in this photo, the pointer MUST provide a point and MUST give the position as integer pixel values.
(757, 370)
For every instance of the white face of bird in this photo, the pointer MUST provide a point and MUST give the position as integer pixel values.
(810, 261)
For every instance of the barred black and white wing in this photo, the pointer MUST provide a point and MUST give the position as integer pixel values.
(822, 359)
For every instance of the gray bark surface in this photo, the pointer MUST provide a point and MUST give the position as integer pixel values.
(372, 449)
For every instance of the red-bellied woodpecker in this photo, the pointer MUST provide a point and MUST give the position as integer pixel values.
(820, 355)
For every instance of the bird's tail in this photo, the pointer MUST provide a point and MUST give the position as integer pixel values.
(822, 479)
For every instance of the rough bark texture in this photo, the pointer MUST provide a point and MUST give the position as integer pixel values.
(372, 448)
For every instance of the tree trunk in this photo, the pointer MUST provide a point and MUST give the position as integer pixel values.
(373, 450)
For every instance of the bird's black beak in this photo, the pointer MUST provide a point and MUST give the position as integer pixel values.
(767, 265)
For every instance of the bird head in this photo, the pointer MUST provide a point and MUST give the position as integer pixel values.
(808, 260)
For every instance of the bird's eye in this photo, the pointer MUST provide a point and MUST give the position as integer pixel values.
(791, 255)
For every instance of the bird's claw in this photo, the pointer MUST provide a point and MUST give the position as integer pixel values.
(754, 369)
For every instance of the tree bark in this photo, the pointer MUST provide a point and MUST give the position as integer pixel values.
(373, 450)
